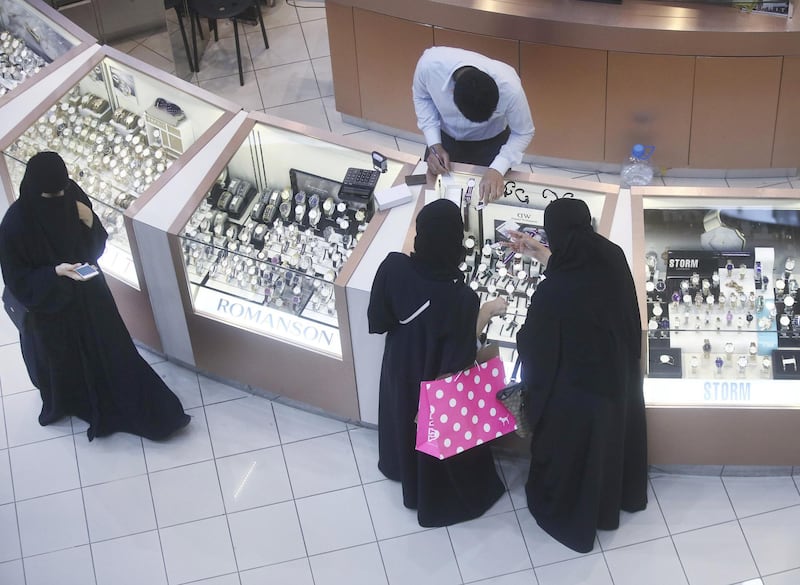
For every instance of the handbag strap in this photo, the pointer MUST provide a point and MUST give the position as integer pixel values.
(516, 369)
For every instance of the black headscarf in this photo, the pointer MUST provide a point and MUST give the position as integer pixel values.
(46, 172)
(438, 245)
(568, 224)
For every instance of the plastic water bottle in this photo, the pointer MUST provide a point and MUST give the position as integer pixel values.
(638, 170)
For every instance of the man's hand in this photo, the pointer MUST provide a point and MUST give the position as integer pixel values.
(85, 214)
(438, 160)
(492, 186)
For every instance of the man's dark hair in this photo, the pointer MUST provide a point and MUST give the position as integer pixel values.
(475, 94)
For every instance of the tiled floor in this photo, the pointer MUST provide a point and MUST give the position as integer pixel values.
(255, 492)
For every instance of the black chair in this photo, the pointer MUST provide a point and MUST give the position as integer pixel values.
(232, 9)
(178, 5)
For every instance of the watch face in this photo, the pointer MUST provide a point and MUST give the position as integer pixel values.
(789, 265)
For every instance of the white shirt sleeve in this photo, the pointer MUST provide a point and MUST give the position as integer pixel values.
(520, 122)
(428, 119)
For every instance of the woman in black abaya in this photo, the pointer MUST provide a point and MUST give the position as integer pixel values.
(580, 349)
(76, 348)
(431, 318)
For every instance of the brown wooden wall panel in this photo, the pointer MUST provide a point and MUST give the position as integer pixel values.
(649, 101)
(733, 115)
(388, 50)
(566, 89)
(505, 50)
(786, 151)
(344, 66)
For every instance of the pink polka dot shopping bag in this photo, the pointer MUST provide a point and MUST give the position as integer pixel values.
(462, 410)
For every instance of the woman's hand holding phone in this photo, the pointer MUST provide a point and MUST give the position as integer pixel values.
(80, 271)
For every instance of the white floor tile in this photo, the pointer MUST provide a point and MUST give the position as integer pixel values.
(3, 436)
(22, 420)
(13, 374)
(160, 43)
(6, 485)
(759, 182)
(389, 516)
(359, 565)
(310, 112)
(411, 147)
(654, 562)
(132, 560)
(324, 74)
(588, 570)
(191, 445)
(186, 493)
(247, 95)
(295, 424)
(119, 508)
(8, 333)
(754, 495)
(279, 15)
(182, 382)
(149, 356)
(197, 550)
(162, 62)
(717, 555)
(692, 502)
(44, 468)
(515, 474)
(52, 522)
(253, 479)
(338, 125)
(12, 573)
(693, 182)
(787, 578)
(286, 84)
(365, 448)
(543, 548)
(219, 58)
(489, 546)
(255, 546)
(241, 425)
(648, 524)
(774, 539)
(286, 45)
(321, 464)
(425, 558)
(372, 139)
(232, 579)
(519, 578)
(316, 34)
(109, 458)
(335, 520)
(295, 572)
(307, 13)
(214, 391)
(9, 534)
(72, 566)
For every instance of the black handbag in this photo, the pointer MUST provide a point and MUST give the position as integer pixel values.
(513, 398)
(15, 309)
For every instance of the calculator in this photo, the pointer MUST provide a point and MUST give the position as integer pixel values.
(358, 184)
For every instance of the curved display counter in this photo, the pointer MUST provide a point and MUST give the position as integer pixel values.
(711, 87)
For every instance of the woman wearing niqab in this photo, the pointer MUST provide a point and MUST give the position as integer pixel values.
(431, 318)
(580, 349)
(76, 348)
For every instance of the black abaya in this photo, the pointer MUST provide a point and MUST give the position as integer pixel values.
(440, 338)
(580, 351)
(76, 348)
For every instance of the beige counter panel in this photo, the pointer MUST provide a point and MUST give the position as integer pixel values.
(566, 89)
(387, 53)
(734, 111)
(649, 101)
(343, 58)
(786, 151)
(505, 50)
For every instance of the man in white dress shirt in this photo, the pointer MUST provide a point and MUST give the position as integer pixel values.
(472, 110)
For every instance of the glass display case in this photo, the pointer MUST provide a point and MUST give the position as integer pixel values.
(718, 287)
(119, 128)
(33, 37)
(266, 245)
(491, 269)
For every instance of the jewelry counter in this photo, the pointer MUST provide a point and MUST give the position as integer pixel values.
(263, 233)
(489, 269)
(717, 285)
(34, 40)
(123, 129)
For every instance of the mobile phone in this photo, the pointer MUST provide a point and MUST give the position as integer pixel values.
(416, 179)
(86, 271)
